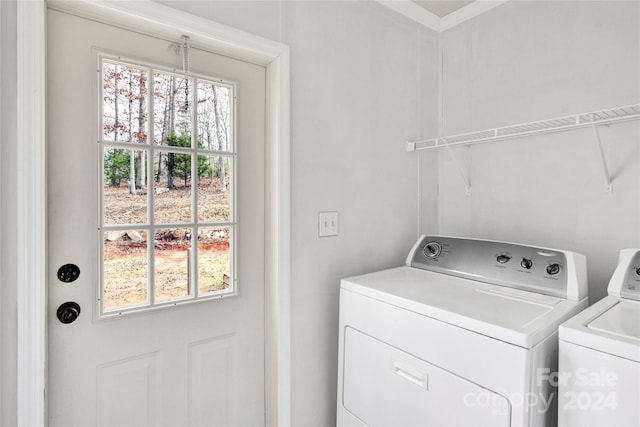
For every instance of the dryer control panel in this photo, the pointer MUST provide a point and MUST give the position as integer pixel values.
(545, 271)
(625, 282)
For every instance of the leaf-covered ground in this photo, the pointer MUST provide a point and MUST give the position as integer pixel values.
(125, 251)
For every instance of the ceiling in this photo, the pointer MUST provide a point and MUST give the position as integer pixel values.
(443, 7)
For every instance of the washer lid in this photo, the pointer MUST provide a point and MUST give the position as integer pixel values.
(612, 326)
(623, 320)
(519, 317)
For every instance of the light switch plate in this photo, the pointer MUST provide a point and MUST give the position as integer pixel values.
(327, 224)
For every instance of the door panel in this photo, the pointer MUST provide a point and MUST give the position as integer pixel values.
(194, 364)
(138, 404)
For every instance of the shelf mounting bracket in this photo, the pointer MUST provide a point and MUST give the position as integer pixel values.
(464, 174)
(605, 167)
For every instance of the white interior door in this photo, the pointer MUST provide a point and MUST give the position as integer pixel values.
(157, 358)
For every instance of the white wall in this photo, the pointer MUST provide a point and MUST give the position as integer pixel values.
(533, 60)
(356, 93)
(360, 75)
(429, 119)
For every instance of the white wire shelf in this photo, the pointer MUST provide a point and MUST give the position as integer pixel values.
(559, 124)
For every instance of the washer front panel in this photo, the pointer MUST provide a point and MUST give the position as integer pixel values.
(505, 264)
(597, 388)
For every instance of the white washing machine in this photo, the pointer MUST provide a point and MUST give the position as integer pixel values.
(599, 375)
(465, 335)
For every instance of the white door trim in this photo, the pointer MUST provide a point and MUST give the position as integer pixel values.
(31, 214)
(154, 19)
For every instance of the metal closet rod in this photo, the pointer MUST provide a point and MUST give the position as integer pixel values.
(558, 124)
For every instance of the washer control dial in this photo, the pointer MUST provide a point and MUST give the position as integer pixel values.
(553, 269)
(503, 258)
(432, 249)
(526, 263)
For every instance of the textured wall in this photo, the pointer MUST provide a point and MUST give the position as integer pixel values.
(527, 61)
(356, 93)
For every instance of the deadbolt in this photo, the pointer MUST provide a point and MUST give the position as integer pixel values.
(68, 273)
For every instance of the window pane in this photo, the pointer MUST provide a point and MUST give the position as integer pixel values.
(214, 260)
(124, 104)
(172, 109)
(172, 187)
(151, 187)
(214, 116)
(125, 268)
(172, 260)
(213, 189)
(125, 200)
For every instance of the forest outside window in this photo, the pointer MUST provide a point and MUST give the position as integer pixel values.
(167, 187)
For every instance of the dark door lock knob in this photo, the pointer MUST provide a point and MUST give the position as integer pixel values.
(68, 312)
(68, 273)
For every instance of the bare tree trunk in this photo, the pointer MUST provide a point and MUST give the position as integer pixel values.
(132, 167)
(132, 164)
(172, 120)
(220, 136)
(141, 122)
(165, 131)
(209, 161)
(115, 106)
(159, 166)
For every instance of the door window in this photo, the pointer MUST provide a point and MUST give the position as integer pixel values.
(167, 186)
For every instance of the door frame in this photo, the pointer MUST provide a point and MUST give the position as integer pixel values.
(156, 20)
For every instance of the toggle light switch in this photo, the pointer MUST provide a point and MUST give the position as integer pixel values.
(327, 224)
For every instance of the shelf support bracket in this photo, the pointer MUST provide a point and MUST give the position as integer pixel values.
(464, 174)
(605, 167)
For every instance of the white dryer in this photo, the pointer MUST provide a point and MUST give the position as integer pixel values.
(599, 375)
(465, 335)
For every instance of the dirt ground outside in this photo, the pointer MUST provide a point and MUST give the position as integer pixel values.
(125, 252)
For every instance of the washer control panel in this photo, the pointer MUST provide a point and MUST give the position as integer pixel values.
(506, 264)
(631, 285)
